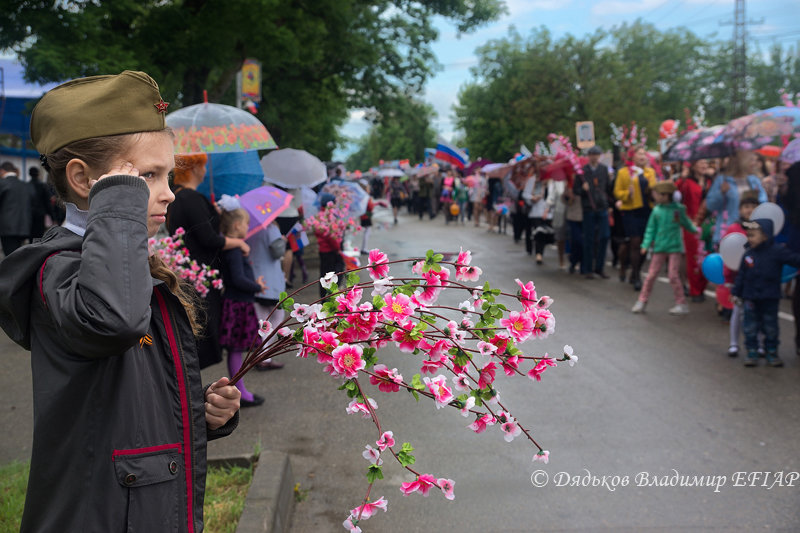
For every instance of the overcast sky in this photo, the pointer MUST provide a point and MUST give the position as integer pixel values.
(780, 21)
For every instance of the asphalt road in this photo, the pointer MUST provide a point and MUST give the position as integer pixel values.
(654, 400)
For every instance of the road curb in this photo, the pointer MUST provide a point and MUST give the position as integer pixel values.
(270, 499)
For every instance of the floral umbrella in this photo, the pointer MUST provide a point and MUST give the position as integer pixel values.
(217, 128)
(702, 143)
(214, 128)
(776, 125)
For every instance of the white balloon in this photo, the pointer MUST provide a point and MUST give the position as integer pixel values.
(731, 248)
(772, 212)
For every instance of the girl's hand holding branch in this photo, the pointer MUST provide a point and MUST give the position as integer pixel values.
(222, 402)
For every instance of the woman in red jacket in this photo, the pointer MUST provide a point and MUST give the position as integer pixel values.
(693, 187)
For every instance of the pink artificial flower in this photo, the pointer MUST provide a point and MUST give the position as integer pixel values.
(368, 509)
(544, 302)
(386, 380)
(447, 487)
(461, 382)
(519, 325)
(417, 268)
(358, 407)
(469, 273)
(405, 339)
(509, 426)
(310, 338)
(544, 323)
(536, 372)
(528, 294)
(467, 323)
(372, 455)
(377, 264)
(301, 313)
(486, 375)
(347, 360)
(464, 258)
(397, 308)
(386, 440)
(264, 328)
(500, 340)
(179, 232)
(349, 300)
(438, 351)
(429, 366)
(329, 280)
(469, 404)
(349, 526)
(486, 348)
(325, 345)
(285, 332)
(382, 286)
(479, 426)
(454, 332)
(510, 365)
(542, 457)
(441, 392)
(422, 484)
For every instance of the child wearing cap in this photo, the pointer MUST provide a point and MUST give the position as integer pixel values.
(758, 288)
(663, 232)
(747, 203)
(121, 418)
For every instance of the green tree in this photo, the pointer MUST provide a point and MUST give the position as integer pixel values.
(318, 58)
(523, 89)
(402, 132)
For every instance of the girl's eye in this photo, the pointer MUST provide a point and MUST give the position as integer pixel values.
(148, 175)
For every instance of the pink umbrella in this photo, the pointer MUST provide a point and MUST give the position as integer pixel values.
(264, 205)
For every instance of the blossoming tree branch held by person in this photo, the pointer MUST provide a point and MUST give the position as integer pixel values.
(461, 351)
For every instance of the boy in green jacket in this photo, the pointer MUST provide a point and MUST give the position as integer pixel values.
(664, 233)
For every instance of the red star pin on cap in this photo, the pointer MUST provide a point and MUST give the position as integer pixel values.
(162, 106)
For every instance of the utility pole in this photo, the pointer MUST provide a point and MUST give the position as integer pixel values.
(739, 71)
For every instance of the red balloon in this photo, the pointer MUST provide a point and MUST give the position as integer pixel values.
(669, 128)
(724, 297)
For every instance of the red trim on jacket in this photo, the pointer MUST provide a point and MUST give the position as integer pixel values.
(187, 440)
(148, 449)
(41, 275)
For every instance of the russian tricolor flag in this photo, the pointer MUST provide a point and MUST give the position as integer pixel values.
(450, 154)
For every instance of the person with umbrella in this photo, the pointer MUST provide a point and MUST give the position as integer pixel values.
(723, 196)
(199, 218)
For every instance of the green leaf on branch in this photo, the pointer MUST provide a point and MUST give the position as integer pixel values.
(378, 302)
(374, 472)
(416, 382)
(353, 279)
(407, 289)
(462, 358)
(287, 304)
(404, 456)
(369, 356)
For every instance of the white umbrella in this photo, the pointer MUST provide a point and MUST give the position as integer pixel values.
(391, 173)
(293, 168)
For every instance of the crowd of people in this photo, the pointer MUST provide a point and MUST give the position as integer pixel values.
(637, 210)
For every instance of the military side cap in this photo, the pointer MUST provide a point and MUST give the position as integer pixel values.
(665, 187)
(97, 106)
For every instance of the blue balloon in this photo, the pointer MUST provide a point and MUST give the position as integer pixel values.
(712, 269)
(788, 273)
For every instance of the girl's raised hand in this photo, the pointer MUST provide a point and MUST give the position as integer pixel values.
(125, 169)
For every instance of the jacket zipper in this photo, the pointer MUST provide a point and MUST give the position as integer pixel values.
(185, 418)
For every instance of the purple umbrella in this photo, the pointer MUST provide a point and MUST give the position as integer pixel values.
(264, 205)
(480, 163)
(703, 143)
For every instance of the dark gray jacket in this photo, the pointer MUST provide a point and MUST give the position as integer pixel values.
(15, 207)
(119, 440)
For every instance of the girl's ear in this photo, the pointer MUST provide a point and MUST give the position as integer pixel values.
(78, 173)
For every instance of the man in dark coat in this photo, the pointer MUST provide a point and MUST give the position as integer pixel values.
(592, 186)
(15, 208)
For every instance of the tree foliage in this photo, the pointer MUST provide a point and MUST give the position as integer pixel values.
(403, 132)
(522, 89)
(319, 57)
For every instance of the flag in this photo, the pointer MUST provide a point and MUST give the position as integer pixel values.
(297, 238)
(450, 154)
